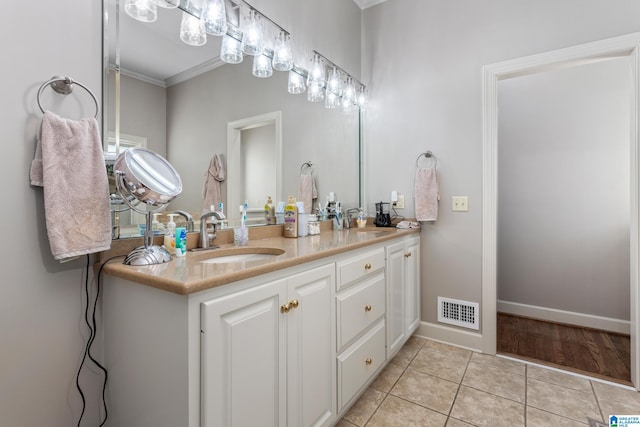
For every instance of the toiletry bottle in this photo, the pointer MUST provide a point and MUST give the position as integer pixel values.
(291, 218)
(362, 219)
(170, 235)
(155, 224)
(181, 241)
(269, 212)
(337, 218)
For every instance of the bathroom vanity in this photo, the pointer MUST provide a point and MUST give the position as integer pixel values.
(291, 338)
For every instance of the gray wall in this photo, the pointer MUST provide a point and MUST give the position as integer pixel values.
(427, 95)
(563, 189)
(40, 309)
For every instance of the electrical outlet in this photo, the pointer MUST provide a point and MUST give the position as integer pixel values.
(400, 203)
(460, 203)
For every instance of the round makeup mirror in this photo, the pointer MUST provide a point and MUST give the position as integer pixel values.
(144, 178)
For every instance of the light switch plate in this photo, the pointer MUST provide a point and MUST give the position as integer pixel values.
(400, 202)
(460, 203)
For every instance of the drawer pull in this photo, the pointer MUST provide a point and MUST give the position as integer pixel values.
(367, 308)
(284, 308)
(368, 361)
(367, 266)
(294, 303)
(407, 255)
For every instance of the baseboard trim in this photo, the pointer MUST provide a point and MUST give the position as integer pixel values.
(562, 316)
(450, 335)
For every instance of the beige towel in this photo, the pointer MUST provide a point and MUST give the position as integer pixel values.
(212, 189)
(426, 194)
(307, 191)
(69, 165)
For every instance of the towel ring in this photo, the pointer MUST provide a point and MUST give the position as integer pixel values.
(64, 86)
(307, 165)
(428, 155)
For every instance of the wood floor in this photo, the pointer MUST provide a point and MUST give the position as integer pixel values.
(592, 352)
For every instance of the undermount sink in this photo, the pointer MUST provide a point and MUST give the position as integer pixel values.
(239, 255)
(373, 229)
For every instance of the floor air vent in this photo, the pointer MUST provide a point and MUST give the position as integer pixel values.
(459, 313)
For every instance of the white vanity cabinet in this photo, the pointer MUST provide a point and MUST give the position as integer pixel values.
(360, 309)
(267, 352)
(403, 292)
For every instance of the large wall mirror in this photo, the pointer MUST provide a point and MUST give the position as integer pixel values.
(178, 100)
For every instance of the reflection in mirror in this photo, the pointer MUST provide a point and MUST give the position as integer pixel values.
(184, 104)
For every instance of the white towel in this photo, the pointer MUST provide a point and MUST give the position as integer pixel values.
(212, 189)
(307, 191)
(69, 165)
(426, 194)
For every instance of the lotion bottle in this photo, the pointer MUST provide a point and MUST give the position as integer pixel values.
(170, 235)
(291, 218)
(269, 212)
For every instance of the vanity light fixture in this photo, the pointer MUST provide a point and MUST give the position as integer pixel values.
(231, 49)
(296, 83)
(349, 96)
(334, 89)
(262, 66)
(282, 56)
(141, 10)
(192, 30)
(214, 17)
(252, 38)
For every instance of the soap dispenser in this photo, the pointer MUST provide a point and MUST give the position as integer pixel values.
(362, 219)
(170, 235)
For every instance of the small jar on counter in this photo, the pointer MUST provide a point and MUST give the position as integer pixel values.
(313, 224)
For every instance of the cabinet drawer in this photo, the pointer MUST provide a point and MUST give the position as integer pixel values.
(360, 266)
(359, 363)
(359, 306)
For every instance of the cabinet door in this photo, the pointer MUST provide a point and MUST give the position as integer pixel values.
(396, 300)
(412, 289)
(242, 358)
(311, 369)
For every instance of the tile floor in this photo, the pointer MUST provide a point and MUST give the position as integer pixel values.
(433, 384)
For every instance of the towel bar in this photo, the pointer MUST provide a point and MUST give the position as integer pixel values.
(64, 86)
(428, 155)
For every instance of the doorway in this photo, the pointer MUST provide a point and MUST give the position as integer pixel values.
(622, 47)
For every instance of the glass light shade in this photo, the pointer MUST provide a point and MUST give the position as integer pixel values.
(192, 30)
(315, 92)
(349, 96)
(141, 10)
(282, 57)
(316, 71)
(334, 83)
(332, 100)
(214, 16)
(262, 66)
(167, 4)
(231, 50)
(296, 83)
(363, 97)
(252, 40)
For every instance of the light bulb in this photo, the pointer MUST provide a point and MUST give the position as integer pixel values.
(296, 83)
(334, 83)
(349, 96)
(141, 10)
(363, 97)
(262, 66)
(316, 71)
(282, 58)
(252, 41)
(192, 30)
(231, 50)
(214, 16)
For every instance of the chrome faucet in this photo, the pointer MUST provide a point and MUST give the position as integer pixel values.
(207, 238)
(347, 217)
(187, 216)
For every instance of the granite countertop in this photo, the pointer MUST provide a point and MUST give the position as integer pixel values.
(189, 274)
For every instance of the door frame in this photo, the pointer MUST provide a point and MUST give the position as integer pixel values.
(617, 47)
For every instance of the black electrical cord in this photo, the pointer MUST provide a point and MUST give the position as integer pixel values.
(92, 336)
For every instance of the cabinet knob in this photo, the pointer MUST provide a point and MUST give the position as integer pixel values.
(294, 303)
(284, 308)
(367, 308)
(407, 255)
(367, 266)
(368, 361)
